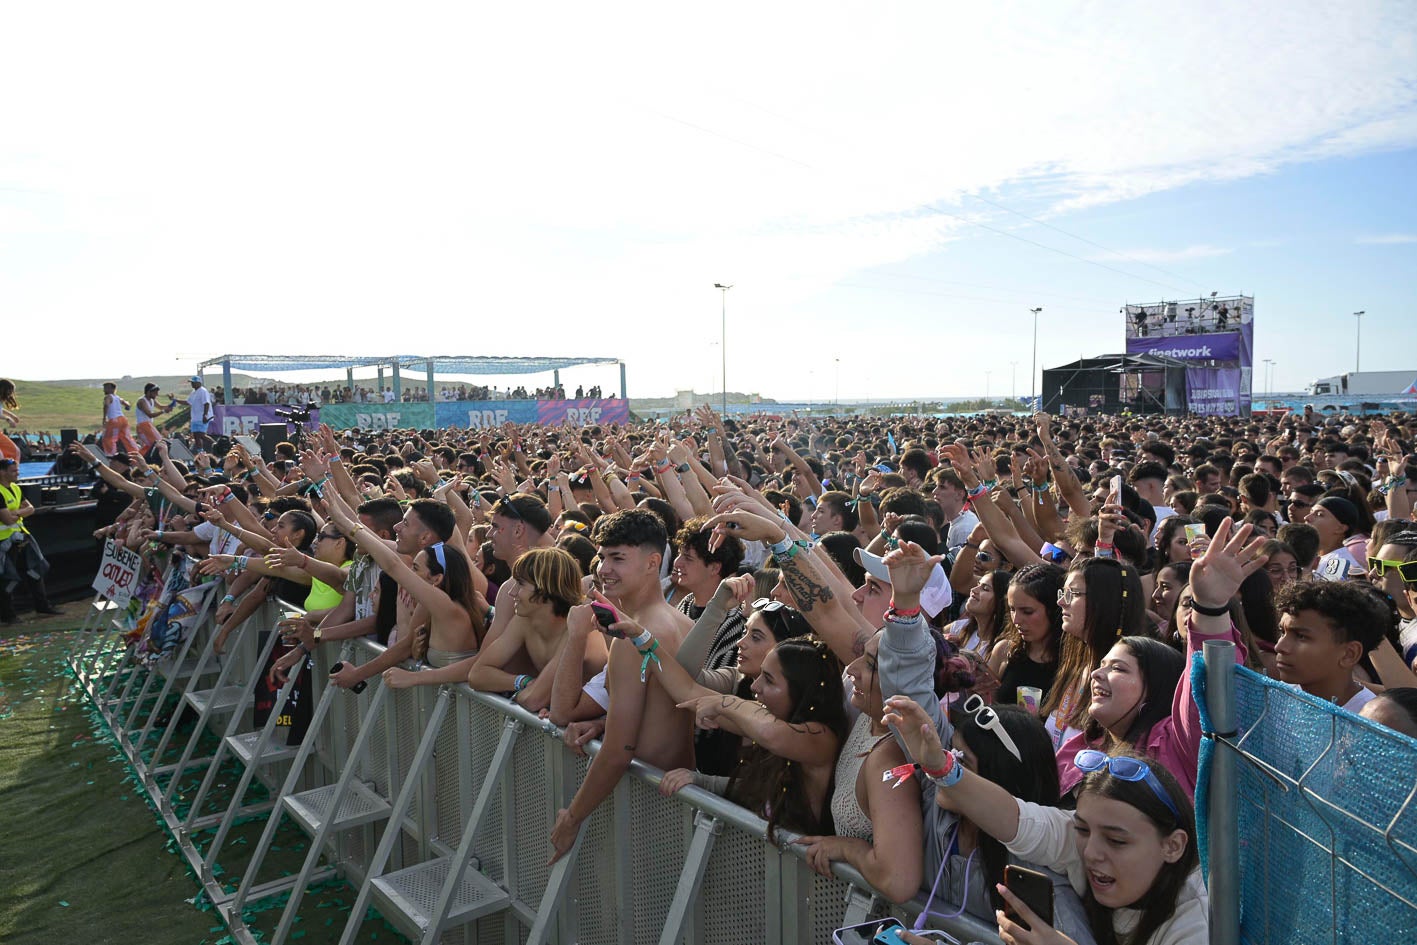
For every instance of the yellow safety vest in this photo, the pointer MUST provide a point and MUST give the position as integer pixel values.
(14, 497)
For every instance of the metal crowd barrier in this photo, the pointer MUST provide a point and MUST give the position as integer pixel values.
(436, 804)
(1310, 812)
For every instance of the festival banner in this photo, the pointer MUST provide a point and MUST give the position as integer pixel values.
(1192, 348)
(1214, 392)
(485, 414)
(473, 414)
(117, 573)
(232, 419)
(582, 412)
(396, 416)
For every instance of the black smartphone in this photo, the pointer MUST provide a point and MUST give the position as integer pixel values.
(358, 687)
(1035, 889)
(605, 614)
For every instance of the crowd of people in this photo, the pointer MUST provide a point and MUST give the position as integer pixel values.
(928, 648)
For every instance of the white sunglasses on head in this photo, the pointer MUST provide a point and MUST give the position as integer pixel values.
(986, 718)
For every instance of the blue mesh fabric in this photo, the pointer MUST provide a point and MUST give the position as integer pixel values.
(1328, 839)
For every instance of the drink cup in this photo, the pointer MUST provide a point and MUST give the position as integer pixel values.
(1030, 697)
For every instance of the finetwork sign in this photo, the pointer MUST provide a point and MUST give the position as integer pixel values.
(1203, 351)
(1211, 347)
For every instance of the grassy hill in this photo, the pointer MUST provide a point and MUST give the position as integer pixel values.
(51, 406)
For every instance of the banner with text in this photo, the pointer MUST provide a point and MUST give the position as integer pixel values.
(1212, 347)
(473, 414)
(117, 576)
(378, 416)
(1215, 392)
(247, 418)
(582, 412)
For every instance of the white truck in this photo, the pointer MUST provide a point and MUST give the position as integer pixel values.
(1366, 382)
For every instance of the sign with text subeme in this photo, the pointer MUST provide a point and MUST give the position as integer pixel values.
(117, 576)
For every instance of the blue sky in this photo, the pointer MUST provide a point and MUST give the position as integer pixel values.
(567, 180)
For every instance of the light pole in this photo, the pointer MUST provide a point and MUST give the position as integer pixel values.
(1013, 380)
(1358, 341)
(986, 386)
(1033, 370)
(836, 394)
(1268, 385)
(723, 342)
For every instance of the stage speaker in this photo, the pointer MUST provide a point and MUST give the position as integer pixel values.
(269, 435)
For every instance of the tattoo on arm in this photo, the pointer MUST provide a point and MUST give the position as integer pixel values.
(805, 591)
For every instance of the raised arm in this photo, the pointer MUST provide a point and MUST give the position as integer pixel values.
(841, 627)
(998, 525)
(108, 475)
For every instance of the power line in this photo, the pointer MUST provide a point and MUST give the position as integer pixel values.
(1051, 249)
(1084, 239)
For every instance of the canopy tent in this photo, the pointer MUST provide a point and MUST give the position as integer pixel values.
(448, 364)
(1141, 383)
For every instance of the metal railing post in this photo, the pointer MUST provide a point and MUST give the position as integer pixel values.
(1223, 822)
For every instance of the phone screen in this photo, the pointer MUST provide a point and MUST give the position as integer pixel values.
(1035, 889)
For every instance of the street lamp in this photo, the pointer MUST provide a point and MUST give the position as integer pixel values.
(1358, 341)
(836, 394)
(1013, 380)
(723, 344)
(1268, 379)
(1033, 370)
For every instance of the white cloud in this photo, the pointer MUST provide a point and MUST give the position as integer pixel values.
(561, 178)
(1389, 239)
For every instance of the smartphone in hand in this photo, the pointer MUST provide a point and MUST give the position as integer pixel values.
(1034, 888)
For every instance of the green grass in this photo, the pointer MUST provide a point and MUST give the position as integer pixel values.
(83, 858)
(51, 407)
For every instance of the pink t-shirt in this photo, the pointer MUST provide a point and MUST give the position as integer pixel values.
(1175, 741)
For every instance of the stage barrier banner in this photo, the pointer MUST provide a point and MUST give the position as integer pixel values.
(582, 412)
(473, 414)
(485, 414)
(117, 573)
(247, 418)
(1214, 392)
(1213, 347)
(397, 416)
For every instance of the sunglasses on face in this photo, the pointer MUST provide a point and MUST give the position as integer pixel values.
(1407, 570)
(1125, 769)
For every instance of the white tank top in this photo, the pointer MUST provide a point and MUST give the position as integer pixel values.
(847, 816)
(144, 409)
(113, 409)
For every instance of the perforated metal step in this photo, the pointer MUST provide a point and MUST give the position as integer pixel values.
(222, 700)
(359, 806)
(184, 671)
(243, 746)
(409, 897)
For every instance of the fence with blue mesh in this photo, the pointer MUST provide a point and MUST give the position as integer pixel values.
(1326, 817)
